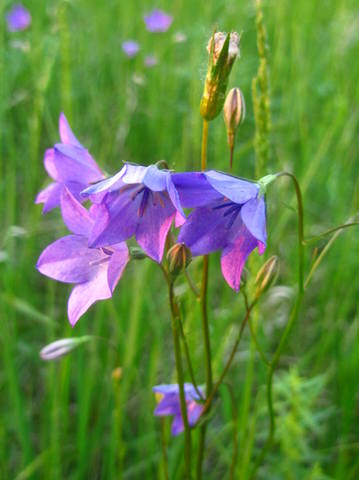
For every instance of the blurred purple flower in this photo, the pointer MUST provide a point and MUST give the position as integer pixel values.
(169, 404)
(158, 21)
(70, 165)
(131, 48)
(229, 215)
(95, 271)
(151, 61)
(18, 18)
(140, 201)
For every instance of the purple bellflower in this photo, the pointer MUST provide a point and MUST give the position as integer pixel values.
(131, 48)
(70, 165)
(140, 201)
(229, 215)
(158, 21)
(169, 404)
(95, 271)
(18, 18)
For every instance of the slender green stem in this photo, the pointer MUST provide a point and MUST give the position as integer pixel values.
(328, 232)
(291, 322)
(192, 284)
(204, 317)
(231, 151)
(180, 378)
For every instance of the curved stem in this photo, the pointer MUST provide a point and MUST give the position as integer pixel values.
(192, 284)
(328, 232)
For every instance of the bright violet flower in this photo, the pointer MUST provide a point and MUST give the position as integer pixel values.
(169, 404)
(95, 271)
(230, 215)
(140, 201)
(131, 48)
(70, 165)
(18, 18)
(158, 21)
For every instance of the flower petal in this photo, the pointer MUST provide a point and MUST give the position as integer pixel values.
(69, 260)
(173, 194)
(194, 411)
(156, 179)
(169, 405)
(50, 196)
(237, 190)
(66, 134)
(253, 214)
(234, 257)
(177, 425)
(154, 225)
(86, 294)
(117, 265)
(194, 190)
(72, 163)
(110, 184)
(76, 218)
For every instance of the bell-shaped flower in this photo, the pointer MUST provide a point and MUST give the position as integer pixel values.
(140, 201)
(95, 271)
(169, 404)
(229, 215)
(70, 165)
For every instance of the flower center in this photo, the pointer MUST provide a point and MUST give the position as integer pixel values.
(231, 210)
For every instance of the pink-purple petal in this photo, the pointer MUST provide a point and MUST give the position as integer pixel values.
(49, 196)
(233, 188)
(253, 214)
(194, 190)
(66, 134)
(117, 265)
(75, 216)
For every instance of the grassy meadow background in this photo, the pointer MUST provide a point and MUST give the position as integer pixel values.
(75, 418)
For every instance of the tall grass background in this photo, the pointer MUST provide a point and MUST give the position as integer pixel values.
(77, 418)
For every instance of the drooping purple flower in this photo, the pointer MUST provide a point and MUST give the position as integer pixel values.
(140, 201)
(70, 165)
(169, 404)
(151, 61)
(131, 48)
(18, 18)
(95, 271)
(229, 215)
(158, 21)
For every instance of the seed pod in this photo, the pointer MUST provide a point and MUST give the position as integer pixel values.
(179, 257)
(223, 50)
(266, 275)
(234, 112)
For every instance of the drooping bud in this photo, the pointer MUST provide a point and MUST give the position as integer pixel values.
(179, 257)
(223, 50)
(234, 112)
(266, 275)
(136, 253)
(62, 347)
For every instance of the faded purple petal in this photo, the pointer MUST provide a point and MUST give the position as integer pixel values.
(253, 214)
(110, 184)
(117, 265)
(49, 196)
(168, 405)
(86, 294)
(71, 163)
(49, 162)
(234, 257)
(235, 189)
(177, 425)
(158, 21)
(154, 178)
(194, 190)
(69, 260)
(194, 411)
(76, 218)
(18, 18)
(131, 48)
(153, 228)
(66, 134)
(151, 61)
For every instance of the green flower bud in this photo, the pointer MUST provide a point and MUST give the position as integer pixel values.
(223, 50)
(266, 275)
(179, 257)
(234, 112)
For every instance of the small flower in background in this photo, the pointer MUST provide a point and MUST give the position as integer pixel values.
(70, 165)
(140, 201)
(18, 18)
(234, 222)
(60, 348)
(158, 21)
(150, 61)
(138, 79)
(169, 404)
(95, 271)
(179, 37)
(131, 48)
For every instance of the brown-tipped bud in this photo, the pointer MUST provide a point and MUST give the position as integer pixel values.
(179, 257)
(266, 275)
(223, 50)
(234, 112)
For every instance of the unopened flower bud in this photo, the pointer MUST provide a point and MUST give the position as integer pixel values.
(179, 257)
(234, 112)
(223, 50)
(267, 275)
(137, 253)
(62, 347)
